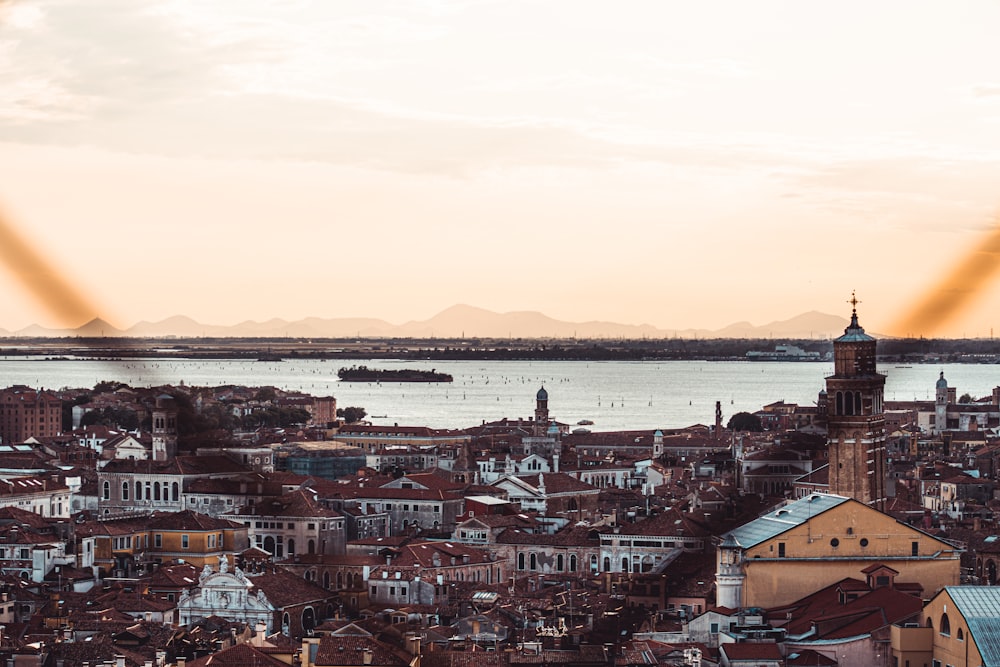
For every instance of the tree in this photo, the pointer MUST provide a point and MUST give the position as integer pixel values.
(744, 421)
(966, 398)
(352, 414)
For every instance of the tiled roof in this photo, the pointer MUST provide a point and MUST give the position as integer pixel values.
(671, 522)
(749, 651)
(343, 650)
(832, 617)
(189, 520)
(285, 589)
(239, 655)
(567, 537)
(299, 503)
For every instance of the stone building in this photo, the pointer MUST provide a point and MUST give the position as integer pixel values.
(855, 419)
(789, 553)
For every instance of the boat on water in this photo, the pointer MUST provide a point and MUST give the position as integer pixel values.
(365, 374)
(585, 422)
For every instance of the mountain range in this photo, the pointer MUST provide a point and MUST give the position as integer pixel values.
(460, 321)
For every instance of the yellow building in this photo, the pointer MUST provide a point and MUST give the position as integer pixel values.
(959, 627)
(814, 542)
(127, 547)
(194, 538)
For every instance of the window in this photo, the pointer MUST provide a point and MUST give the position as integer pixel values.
(157, 540)
(124, 490)
(945, 626)
(106, 490)
(373, 591)
(960, 635)
(184, 541)
(863, 542)
(835, 543)
(781, 549)
(914, 548)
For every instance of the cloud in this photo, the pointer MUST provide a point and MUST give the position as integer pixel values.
(986, 90)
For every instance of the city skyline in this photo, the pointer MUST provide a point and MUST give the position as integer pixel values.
(660, 166)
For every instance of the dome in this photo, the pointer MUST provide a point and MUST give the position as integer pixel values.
(942, 383)
(542, 395)
(854, 333)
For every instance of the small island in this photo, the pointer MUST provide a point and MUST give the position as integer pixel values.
(365, 374)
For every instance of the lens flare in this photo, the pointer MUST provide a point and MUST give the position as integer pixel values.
(952, 296)
(42, 279)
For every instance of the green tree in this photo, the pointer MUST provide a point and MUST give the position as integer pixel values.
(351, 414)
(966, 398)
(744, 421)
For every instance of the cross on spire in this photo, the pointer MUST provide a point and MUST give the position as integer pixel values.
(854, 303)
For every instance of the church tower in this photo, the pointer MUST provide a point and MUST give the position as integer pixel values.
(940, 405)
(164, 428)
(541, 412)
(855, 418)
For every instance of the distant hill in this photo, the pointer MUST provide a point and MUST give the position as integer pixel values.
(456, 322)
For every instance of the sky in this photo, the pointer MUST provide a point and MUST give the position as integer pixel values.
(680, 164)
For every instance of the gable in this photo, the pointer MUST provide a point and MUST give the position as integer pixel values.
(849, 530)
(516, 487)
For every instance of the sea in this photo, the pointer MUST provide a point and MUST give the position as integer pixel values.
(614, 395)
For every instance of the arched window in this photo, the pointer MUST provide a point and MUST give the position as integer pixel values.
(572, 562)
(291, 547)
(624, 563)
(285, 622)
(175, 492)
(945, 625)
(534, 562)
(138, 490)
(340, 581)
(960, 635)
(326, 581)
(311, 546)
(559, 562)
(156, 490)
(607, 564)
(520, 561)
(106, 490)
(840, 403)
(857, 402)
(124, 490)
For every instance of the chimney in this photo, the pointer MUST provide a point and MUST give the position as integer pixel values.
(366, 656)
(181, 661)
(412, 643)
(119, 661)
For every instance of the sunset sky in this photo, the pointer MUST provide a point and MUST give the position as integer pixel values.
(681, 164)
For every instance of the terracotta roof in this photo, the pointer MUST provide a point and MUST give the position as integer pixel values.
(748, 651)
(189, 520)
(342, 650)
(239, 655)
(285, 589)
(298, 503)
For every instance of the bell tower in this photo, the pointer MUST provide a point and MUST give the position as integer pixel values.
(541, 412)
(856, 418)
(164, 428)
